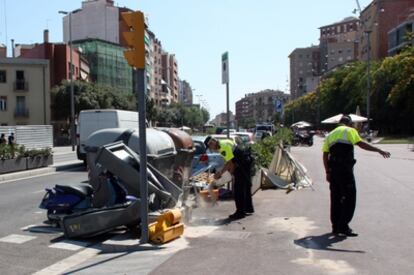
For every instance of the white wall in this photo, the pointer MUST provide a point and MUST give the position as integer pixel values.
(94, 20)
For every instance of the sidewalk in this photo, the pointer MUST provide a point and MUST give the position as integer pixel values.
(211, 244)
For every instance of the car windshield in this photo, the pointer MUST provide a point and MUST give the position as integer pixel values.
(264, 128)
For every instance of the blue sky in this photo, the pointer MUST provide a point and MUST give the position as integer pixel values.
(259, 35)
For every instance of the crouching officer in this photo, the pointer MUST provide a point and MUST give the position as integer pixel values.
(233, 164)
(338, 159)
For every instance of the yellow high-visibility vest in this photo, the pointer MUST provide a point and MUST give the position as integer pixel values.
(341, 134)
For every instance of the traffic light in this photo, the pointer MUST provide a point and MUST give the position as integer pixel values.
(135, 54)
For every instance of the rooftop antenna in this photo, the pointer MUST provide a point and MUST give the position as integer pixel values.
(5, 22)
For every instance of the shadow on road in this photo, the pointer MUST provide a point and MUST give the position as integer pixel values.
(323, 242)
(210, 221)
(121, 251)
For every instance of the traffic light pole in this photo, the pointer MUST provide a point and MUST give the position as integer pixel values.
(140, 89)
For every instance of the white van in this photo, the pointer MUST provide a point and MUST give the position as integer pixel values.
(92, 120)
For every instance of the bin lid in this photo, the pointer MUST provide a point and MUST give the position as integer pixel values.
(158, 142)
(182, 140)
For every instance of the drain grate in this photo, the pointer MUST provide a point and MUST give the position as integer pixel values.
(231, 235)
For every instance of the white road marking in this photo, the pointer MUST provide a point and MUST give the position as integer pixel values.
(15, 238)
(69, 245)
(28, 227)
(90, 252)
(39, 191)
(72, 261)
(41, 228)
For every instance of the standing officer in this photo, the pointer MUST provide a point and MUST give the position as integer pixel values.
(338, 159)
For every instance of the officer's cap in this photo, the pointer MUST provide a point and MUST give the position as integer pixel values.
(345, 119)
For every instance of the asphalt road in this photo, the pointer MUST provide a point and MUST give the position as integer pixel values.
(26, 244)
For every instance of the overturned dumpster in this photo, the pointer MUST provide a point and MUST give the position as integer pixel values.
(160, 153)
(114, 166)
(123, 163)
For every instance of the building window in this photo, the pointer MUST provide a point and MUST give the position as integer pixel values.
(3, 103)
(20, 75)
(20, 105)
(20, 82)
(2, 76)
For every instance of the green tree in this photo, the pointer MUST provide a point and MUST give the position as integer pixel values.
(391, 94)
(178, 115)
(88, 96)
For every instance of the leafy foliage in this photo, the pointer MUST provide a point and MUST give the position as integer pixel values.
(178, 115)
(89, 96)
(17, 151)
(263, 150)
(391, 94)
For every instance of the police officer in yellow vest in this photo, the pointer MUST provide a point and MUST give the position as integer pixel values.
(338, 159)
(242, 187)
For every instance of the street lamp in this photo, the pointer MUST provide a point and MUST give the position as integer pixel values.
(72, 99)
(368, 32)
(199, 104)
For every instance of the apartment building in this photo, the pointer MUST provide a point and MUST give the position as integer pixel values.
(156, 86)
(398, 38)
(169, 78)
(261, 106)
(377, 20)
(304, 64)
(186, 93)
(107, 63)
(221, 120)
(58, 55)
(338, 43)
(24, 92)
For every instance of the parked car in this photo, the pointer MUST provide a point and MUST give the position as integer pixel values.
(232, 131)
(260, 135)
(203, 159)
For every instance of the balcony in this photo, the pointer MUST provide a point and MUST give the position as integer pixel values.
(21, 113)
(21, 85)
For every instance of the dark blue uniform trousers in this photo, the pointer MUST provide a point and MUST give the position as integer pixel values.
(343, 195)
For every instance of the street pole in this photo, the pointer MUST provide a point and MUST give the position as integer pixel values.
(140, 89)
(72, 99)
(368, 77)
(72, 94)
(228, 111)
(225, 79)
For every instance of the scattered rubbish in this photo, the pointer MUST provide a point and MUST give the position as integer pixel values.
(285, 172)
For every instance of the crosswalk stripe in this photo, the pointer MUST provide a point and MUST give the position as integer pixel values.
(18, 239)
(41, 229)
(69, 245)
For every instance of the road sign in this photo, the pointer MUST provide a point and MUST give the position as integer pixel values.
(225, 68)
(279, 106)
